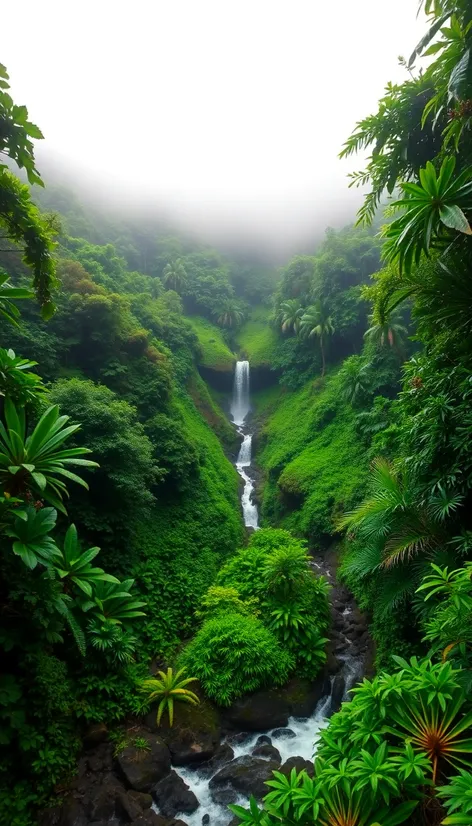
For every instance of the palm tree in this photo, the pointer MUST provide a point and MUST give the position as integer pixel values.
(386, 329)
(316, 322)
(289, 315)
(175, 275)
(229, 315)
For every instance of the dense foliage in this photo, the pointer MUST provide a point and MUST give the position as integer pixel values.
(267, 599)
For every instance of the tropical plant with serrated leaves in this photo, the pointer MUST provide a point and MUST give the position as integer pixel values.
(430, 210)
(448, 623)
(167, 688)
(38, 463)
(16, 379)
(457, 799)
(74, 565)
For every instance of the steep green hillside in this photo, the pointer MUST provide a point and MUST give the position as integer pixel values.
(186, 538)
(314, 464)
(256, 340)
(215, 353)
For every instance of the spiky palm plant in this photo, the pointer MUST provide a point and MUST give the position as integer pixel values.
(398, 531)
(169, 687)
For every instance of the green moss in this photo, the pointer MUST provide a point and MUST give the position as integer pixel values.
(215, 353)
(315, 465)
(256, 339)
(180, 546)
(204, 400)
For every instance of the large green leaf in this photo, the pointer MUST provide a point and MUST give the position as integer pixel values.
(453, 217)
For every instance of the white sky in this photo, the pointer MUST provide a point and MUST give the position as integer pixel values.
(228, 112)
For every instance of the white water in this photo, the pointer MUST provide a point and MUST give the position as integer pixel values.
(240, 407)
(302, 745)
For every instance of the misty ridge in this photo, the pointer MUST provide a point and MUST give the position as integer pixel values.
(264, 233)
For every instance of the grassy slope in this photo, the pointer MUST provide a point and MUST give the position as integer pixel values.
(216, 354)
(308, 448)
(256, 339)
(184, 541)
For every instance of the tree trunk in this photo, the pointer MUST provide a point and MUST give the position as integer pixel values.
(323, 363)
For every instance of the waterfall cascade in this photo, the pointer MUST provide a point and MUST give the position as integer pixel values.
(240, 408)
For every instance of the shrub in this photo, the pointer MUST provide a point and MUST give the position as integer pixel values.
(233, 655)
(219, 600)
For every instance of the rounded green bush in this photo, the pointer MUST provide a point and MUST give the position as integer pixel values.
(233, 655)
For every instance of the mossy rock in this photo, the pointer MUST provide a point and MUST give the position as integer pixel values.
(195, 735)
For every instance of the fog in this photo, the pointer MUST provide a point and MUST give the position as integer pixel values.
(228, 115)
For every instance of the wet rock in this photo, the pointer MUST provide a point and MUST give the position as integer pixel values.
(223, 797)
(337, 693)
(297, 763)
(99, 760)
(195, 735)
(246, 775)
(303, 696)
(109, 800)
(267, 752)
(263, 740)
(141, 768)
(141, 798)
(223, 755)
(260, 711)
(333, 665)
(172, 795)
(285, 733)
(72, 814)
(94, 735)
(205, 820)
(150, 818)
(239, 739)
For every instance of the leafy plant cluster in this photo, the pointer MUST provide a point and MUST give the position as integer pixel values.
(273, 608)
(401, 748)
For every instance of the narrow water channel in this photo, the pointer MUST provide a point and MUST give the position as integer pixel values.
(301, 741)
(240, 409)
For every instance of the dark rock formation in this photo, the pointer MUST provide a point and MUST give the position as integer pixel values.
(267, 752)
(284, 733)
(246, 775)
(297, 763)
(172, 796)
(141, 768)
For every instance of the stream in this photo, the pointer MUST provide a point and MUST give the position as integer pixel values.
(240, 407)
(302, 740)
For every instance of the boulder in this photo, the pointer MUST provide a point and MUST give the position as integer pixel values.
(239, 739)
(108, 800)
(195, 735)
(267, 752)
(284, 733)
(263, 740)
(298, 763)
(141, 798)
(206, 820)
(260, 711)
(173, 796)
(223, 755)
(95, 734)
(142, 768)
(150, 818)
(99, 760)
(72, 814)
(304, 695)
(246, 775)
(223, 797)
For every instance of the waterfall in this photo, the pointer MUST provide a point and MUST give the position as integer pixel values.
(240, 407)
